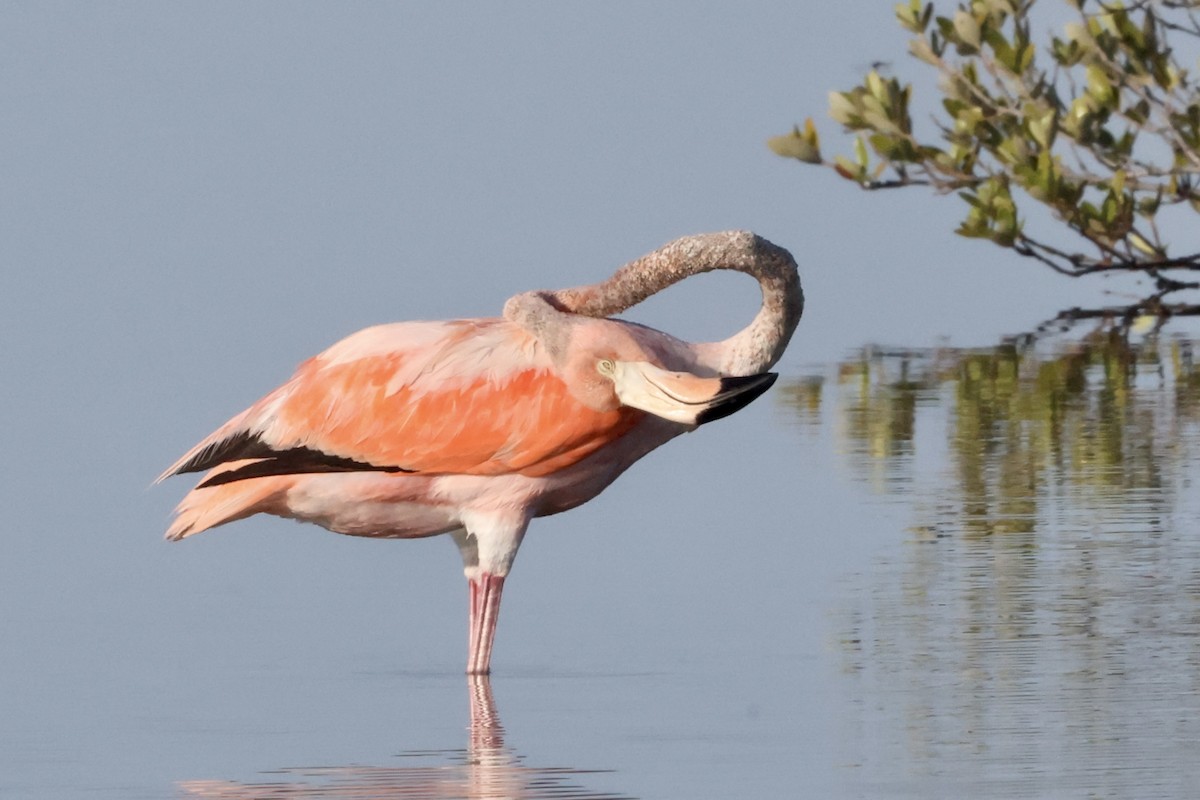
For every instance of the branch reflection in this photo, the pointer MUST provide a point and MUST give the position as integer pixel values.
(1099, 418)
(1034, 631)
(487, 769)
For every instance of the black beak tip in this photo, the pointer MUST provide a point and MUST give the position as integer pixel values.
(743, 390)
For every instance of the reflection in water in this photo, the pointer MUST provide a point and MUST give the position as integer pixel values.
(1040, 634)
(487, 769)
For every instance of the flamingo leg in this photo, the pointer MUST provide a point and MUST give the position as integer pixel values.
(485, 590)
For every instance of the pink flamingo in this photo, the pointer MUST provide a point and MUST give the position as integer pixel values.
(473, 427)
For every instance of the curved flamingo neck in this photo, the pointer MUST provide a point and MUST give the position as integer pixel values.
(752, 350)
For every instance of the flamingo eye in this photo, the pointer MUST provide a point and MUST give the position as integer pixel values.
(606, 367)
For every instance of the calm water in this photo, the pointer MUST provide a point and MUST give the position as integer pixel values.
(486, 767)
(934, 573)
(1037, 634)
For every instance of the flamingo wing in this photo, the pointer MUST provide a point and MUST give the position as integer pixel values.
(474, 397)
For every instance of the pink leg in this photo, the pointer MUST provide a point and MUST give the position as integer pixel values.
(485, 592)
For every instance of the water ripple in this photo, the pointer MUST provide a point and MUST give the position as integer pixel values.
(484, 770)
(1038, 632)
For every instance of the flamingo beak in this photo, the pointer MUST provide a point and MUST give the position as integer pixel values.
(736, 394)
(681, 396)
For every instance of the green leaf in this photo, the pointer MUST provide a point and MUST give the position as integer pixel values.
(843, 109)
(801, 145)
(1043, 125)
(1003, 51)
(921, 50)
(1148, 206)
(792, 146)
(1100, 87)
(875, 85)
(1141, 244)
(910, 16)
(967, 29)
(848, 169)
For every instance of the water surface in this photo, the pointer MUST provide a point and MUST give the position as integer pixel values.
(1036, 633)
(917, 572)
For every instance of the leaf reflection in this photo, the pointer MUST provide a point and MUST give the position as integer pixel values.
(1095, 417)
(1036, 632)
(487, 770)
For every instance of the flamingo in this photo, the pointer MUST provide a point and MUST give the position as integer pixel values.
(473, 427)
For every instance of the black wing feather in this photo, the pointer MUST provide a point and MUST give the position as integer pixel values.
(240, 445)
(245, 445)
(295, 461)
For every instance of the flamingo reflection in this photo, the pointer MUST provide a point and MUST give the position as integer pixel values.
(487, 769)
